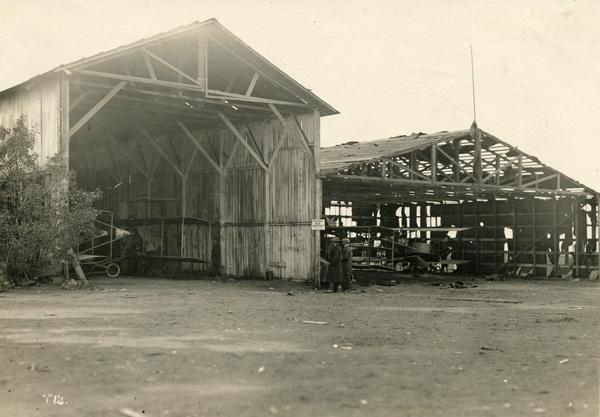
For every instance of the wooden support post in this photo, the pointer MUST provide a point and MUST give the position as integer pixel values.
(478, 231)
(495, 208)
(64, 120)
(514, 242)
(182, 251)
(413, 165)
(498, 169)
(598, 229)
(476, 137)
(267, 219)
(555, 236)
(222, 186)
(456, 145)
(575, 209)
(519, 182)
(318, 196)
(534, 236)
(203, 63)
(383, 163)
(434, 163)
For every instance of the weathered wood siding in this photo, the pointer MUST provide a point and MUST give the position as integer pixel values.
(265, 219)
(267, 226)
(40, 104)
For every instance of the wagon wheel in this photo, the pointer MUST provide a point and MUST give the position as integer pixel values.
(113, 270)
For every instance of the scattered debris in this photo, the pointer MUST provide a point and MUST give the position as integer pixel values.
(491, 348)
(595, 274)
(346, 347)
(289, 293)
(563, 361)
(364, 402)
(484, 300)
(539, 410)
(273, 409)
(261, 369)
(129, 412)
(313, 322)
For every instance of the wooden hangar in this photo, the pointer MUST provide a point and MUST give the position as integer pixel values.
(203, 145)
(504, 210)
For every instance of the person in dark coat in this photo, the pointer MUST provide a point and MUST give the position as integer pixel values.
(346, 264)
(334, 271)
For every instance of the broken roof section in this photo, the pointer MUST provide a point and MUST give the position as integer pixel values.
(227, 48)
(454, 161)
(340, 157)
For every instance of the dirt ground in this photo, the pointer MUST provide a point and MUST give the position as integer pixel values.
(235, 348)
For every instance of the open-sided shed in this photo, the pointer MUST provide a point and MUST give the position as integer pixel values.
(519, 215)
(206, 147)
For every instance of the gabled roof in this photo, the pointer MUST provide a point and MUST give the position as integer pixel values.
(223, 37)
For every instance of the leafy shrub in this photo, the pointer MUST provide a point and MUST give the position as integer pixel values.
(42, 212)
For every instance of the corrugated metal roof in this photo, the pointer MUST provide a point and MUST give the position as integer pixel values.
(339, 157)
(224, 34)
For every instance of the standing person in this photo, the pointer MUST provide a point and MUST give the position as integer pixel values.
(334, 271)
(346, 264)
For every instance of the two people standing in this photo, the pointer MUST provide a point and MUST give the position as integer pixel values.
(339, 271)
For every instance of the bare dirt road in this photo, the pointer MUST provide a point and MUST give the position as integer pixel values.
(203, 348)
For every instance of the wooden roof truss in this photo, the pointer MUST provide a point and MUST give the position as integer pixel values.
(455, 169)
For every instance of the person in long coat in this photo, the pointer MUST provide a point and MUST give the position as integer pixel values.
(346, 264)
(335, 274)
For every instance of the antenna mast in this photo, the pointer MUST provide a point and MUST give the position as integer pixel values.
(473, 85)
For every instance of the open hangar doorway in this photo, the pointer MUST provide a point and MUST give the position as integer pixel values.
(204, 147)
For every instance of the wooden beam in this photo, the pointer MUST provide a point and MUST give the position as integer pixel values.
(174, 68)
(142, 80)
(230, 158)
(537, 181)
(191, 162)
(302, 139)
(457, 164)
(199, 146)
(96, 108)
(162, 153)
(128, 155)
(305, 140)
(218, 94)
(149, 66)
(406, 168)
(265, 76)
(238, 135)
(78, 100)
(252, 84)
(498, 170)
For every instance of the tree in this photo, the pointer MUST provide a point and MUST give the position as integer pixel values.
(43, 213)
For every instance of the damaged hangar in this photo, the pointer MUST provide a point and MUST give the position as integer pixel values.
(494, 208)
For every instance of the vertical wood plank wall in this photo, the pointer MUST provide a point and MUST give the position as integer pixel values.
(40, 104)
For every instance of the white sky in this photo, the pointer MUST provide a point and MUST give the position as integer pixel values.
(390, 67)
